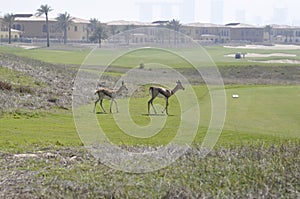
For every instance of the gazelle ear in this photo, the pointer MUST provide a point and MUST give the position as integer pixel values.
(123, 82)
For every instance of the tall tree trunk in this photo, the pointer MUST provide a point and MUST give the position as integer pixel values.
(9, 34)
(65, 36)
(100, 38)
(47, 25)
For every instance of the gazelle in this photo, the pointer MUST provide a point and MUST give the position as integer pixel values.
(108, 94)
(162, 92)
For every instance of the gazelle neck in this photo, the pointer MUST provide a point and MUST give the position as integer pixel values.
(120, 90)
(175, 89)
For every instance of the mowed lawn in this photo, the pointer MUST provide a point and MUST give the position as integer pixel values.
(260, 114)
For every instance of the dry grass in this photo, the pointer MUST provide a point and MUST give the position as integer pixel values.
(237, 172)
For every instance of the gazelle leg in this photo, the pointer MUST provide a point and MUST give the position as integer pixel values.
(95, 105)
(151, 102)
(148, 107)
(116, 106)
(102, 106)
(166, 108)
(167, 104)
(111, 103)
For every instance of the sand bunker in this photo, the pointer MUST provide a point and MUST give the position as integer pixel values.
(29, 47)
(265, 55)
(273, 47)
(281, 61)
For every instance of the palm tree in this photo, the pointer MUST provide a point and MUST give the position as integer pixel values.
(99, 34)
(8, 22)
(45, 9)
(174, 25)
(64, 21)
(91, 26)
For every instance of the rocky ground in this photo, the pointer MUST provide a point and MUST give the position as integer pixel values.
(55, 84)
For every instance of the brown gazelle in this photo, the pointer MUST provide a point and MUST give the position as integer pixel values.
(108, 94)
(163, 92)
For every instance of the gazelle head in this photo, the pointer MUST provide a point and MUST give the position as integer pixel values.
(124, 86)
(179, 85)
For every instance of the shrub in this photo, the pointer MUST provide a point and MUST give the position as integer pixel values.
(24, 89)
(5, 85)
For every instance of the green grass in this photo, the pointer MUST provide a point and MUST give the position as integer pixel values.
(257, 154)
(27, 128)
(123, 58)
(73, 57)
(17, 78)
(261, 114)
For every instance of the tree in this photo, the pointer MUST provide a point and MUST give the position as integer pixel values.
(268, 29)
(64, 21)
(99, 34)
(113, 31)
(45, 9)
(91, 26)
(8, 21)
(174, 25)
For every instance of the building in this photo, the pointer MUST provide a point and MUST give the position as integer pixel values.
(284, 33)
(207, 32)
(78, 30)
(15, 35)
(246, 33)
(28, 27)
(34, 27)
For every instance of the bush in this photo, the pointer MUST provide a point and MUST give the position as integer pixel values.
(5, 85)
(24, 89)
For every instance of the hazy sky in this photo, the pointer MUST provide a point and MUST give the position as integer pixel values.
(258, 12)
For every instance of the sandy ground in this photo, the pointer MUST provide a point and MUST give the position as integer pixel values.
(273, 47)
(281, 61)
(29, 47)
(265, 55)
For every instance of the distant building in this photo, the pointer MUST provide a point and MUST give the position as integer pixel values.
(207, 32)
(34, 27)
(285, 34)
(245, 32)
(15, 34)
